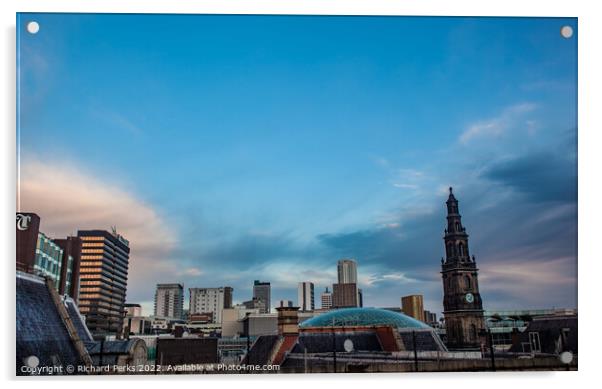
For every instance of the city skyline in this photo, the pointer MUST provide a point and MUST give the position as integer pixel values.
(272, 156)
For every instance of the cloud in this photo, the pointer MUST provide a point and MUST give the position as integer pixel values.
(494, 127)
(191, 271)
(541, 176)
(69, 199)
(533, 280)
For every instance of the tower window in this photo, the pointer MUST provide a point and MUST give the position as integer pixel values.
(468, 282)
(461, 249)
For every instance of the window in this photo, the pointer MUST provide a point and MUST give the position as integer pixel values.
(461, 249)
(534, 342)
(468, 282)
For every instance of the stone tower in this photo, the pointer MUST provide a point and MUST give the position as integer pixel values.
(462, 304)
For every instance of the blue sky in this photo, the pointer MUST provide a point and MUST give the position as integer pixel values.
(233, 148)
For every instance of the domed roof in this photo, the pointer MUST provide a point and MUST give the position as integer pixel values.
(363, 317)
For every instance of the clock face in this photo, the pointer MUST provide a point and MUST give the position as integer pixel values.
(469, 297)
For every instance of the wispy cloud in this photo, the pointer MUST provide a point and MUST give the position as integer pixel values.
(496, 126)
(116, 119)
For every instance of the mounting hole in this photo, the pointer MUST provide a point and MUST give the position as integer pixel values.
(33, 27)
(566, 32)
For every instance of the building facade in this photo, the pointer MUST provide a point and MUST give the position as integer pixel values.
(169, 300)
(305, 296)
(54, 259)
(263, 292)
(326, 299)
(347, 271)
(413, 306)
(132, 310)
(462, 304)
(27, 227)
(103, 280)
(72, 251)
(214, 300)
(344, 295)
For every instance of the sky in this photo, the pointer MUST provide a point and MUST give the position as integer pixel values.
(234, 148)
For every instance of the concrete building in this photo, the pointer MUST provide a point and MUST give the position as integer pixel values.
(263, 292)
(326, 299)
(344, 295)
(285, 303)
(169, 300)
(413, 306)
(232, 320)
(347, 271)
(430, 318)
(132, 310)
(305, 296)
(255, 303)
(103, 279)
(214, 300)
(347, 284)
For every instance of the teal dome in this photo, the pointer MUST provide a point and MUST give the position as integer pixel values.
(363, 317)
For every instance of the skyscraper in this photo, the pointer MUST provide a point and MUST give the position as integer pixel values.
(169, 300)
(263, 292)
(347, 271)
(103, 279)
(305, 296)
(346, 293)
(326, 299)
(210, 300)
(462, 304)
(413, 306)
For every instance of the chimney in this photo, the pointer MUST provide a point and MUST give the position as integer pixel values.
(288, 320)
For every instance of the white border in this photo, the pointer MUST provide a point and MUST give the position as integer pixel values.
(590, 193)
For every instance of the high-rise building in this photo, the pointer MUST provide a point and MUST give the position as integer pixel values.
(263, 292)
(103, 279)
(462, 304)
(347, 271)
(210, 300)
(54, 259)
(347, 277)
(344, 295)
(305, 296)
(413, 306)
(169, 300)
(72, 252)
(326, 299)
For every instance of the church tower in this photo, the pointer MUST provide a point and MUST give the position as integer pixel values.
(462, 304)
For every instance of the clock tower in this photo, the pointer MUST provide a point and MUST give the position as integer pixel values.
(462, 304)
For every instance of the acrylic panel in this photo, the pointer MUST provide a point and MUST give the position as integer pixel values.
(273, 194)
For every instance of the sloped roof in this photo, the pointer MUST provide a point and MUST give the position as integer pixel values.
(40, 331)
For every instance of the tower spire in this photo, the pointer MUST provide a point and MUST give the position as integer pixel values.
(463, 307)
